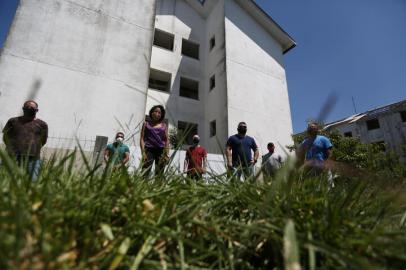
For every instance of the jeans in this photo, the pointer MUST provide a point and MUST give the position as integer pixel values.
(243, 171)
(31, 164)
(154, 155)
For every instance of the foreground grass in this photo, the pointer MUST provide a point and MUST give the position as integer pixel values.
(85, 220)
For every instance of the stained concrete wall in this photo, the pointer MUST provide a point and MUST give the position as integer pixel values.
(85, 62)
(216, 99)
(180, 19)
(392, 130)
(90, 61)
(256, 81)
(183, 21)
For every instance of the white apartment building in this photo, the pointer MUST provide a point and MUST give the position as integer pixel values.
(96, 67)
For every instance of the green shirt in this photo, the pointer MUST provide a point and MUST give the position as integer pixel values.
(117, 152)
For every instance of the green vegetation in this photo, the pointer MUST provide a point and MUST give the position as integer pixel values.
(92, 219)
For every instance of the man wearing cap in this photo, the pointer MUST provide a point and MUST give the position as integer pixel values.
(271, 162)
(24, 136)
(196, 159)
(238, 152)
(117, 153)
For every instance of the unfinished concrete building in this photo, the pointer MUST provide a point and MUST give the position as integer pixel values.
(97, 66)
(384, 125)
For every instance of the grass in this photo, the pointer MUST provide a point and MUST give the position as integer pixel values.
(92, 219)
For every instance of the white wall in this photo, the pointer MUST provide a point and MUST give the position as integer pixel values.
(180, 19)
(89, 61)
(256, 80)
(216, 99)
(215, 162)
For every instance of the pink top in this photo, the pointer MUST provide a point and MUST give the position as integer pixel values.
(154, 137)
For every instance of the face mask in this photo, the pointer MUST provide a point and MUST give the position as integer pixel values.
(195, 141)
(29, 112)
(119, 140)
(242, 130)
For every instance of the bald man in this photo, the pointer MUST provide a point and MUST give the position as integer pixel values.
(24, 136)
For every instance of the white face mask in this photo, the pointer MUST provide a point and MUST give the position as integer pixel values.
(119, 140)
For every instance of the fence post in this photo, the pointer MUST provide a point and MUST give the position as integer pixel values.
(99, 146)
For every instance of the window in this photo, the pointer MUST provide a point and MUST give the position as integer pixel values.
(348, 134)
(189, 88)
(212, 82)
(213, 128)
(159, 80)
(190, 49)
(186, 131)
(212, 42)
(373, 124)
(163, 39)
(403, 116)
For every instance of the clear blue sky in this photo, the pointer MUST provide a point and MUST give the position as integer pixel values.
(351, 48)
(347, 47)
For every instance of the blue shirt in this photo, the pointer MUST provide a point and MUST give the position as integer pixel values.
(316, 149)
(241, 149)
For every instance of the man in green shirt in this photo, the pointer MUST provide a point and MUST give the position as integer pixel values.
(117, 153)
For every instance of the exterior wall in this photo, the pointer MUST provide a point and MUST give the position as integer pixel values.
(87, 63)
(82, 61)
(180, 19)
(392, 130)
(216, 99)
(353, 128)
(215, 162)
(256, 80)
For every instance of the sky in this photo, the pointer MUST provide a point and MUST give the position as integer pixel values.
(346, 49)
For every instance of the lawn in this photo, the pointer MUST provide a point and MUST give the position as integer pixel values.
(93, 219)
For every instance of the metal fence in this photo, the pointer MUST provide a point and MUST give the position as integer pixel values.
(94, 148)
(61, 142)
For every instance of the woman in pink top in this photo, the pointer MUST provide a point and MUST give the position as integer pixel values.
(154, 141)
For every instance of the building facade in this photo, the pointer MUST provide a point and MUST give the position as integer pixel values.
(96, 67)
(385, 125)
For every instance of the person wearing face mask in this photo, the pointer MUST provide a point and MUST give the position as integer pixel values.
(117, 153)
(315, 150)
(239, 149)
(24, 136)
(195, 160)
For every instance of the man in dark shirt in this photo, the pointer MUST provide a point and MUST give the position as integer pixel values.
(24, 136)
(238, 152)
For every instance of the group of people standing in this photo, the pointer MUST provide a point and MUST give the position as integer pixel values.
(154, 143)
(24, 136)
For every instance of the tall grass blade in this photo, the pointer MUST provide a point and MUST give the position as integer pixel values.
(291, 247)
(122, 251)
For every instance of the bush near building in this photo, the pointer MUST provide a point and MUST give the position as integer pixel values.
(369, 159)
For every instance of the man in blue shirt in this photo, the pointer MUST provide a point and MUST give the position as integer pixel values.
(238, 152)
(315, 150)
(117, 153)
